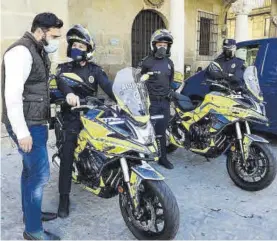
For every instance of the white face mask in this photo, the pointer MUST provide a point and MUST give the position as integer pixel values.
(52, 46)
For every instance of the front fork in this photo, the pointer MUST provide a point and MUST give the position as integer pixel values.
(138, 174)
(132, 183)
(242, 144)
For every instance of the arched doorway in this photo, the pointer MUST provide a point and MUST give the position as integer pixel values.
(145, 23)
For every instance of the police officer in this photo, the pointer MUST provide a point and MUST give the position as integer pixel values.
(159, 84)
(80, 48)
(227, 66)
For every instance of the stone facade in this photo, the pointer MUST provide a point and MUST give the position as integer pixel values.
(110, 23)
(273, 24)
(259, 21)
(17, 16)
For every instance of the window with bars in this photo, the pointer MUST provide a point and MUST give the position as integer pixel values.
(207, 35)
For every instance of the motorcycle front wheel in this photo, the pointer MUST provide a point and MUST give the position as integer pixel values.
(159, 212)
(259, 171)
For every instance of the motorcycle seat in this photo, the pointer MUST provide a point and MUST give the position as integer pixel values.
(184, 102)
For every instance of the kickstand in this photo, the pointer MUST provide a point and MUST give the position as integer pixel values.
(207, 159)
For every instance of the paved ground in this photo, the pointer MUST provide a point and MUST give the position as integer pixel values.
(211, 206)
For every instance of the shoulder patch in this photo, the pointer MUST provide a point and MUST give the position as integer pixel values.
(91, 79)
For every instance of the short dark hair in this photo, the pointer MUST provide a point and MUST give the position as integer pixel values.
(46, 20)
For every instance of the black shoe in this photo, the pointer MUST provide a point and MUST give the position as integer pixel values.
(166, 163)
(45, 216)
(63, 210)
(44, 235)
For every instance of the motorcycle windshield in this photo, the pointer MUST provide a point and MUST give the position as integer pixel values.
(252, 83)
(131, 93)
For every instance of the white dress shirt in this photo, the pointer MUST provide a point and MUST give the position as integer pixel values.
(18, 64)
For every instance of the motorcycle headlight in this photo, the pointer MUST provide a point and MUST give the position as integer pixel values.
(144, 134)
(260, 108)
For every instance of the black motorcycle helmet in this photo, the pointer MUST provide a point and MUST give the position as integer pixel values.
(161, 35)
(229, 48)
(80, 34)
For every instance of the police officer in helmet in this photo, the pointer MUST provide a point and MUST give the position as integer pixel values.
(80, 49)
(227, 66)
(159, 84)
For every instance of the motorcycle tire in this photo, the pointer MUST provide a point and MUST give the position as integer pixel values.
(269, 173)
(171, 216)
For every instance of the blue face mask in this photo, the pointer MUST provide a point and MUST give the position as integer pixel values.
(77, 54)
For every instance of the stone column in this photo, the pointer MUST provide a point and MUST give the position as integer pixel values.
(273, 24)
(242, 8)
(177, 28)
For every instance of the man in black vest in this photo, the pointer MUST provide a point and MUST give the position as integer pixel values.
(159, 84)
(25, 109)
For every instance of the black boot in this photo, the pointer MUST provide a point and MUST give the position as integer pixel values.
(166, 163)
(63, 211)
(45, 216)
(163, 161)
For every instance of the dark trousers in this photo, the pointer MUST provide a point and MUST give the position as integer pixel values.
(161, 107)
(35, 175)
(72, 127)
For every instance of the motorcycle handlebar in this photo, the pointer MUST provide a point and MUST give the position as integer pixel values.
(81, 108)
(87, 103)
(153, 72)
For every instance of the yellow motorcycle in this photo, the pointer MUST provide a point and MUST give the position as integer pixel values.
(111, 157)
(220, 124)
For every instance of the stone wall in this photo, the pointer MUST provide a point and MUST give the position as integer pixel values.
(110, 23)
(191, 16)
(273, 26)
(17, 17)
(257, 28)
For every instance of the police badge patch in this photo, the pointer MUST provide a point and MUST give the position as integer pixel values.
(91, 79)
(233, 65)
